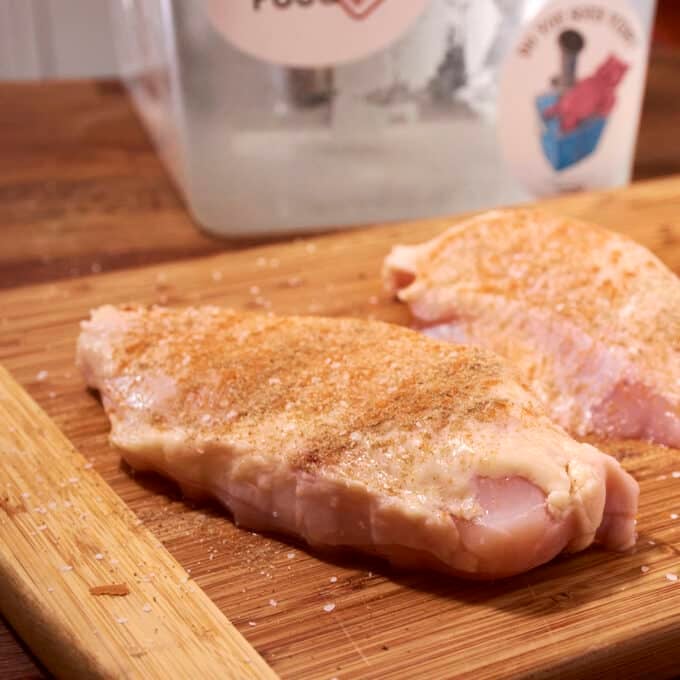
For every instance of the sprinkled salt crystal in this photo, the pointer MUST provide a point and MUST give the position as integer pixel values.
(99, 556)
(42, 527)
(41, 510)
(113, 561)
(50, 589)
(373, 300)
(672, 577)
(67, 504)
(41, 375)
(674, 515)
(66, 567)
(290, 555)
(675, 474)
(51, 394)
(644, 568)
(660, 478)
(146, 608)
(294, 281)
(25, 494)
(51, 505)
(275, 514)
(121, 619)
(333, 579)
(355, 436)
(261, 262)
(651, 542)
(87, 466)
(328, 608)
(254, 290)
(273, 603)
(310, 248)
(274, 381)
(73, 480)
(252, 623)
(206, 418)
(216, 275)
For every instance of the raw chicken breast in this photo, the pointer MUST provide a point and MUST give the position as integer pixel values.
(590, 318)
(354, 433)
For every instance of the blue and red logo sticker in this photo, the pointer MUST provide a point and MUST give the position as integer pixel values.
(574, 112)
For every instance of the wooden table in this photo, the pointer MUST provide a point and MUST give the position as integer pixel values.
(82, 191)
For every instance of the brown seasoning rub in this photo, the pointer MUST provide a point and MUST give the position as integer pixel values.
(304, 371)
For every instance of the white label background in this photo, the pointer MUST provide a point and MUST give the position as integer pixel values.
(525, 78)
(316, 34)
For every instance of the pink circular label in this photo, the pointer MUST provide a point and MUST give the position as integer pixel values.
(313, 32)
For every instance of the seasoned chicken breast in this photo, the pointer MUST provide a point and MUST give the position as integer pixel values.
(590, 318)
(354, 433)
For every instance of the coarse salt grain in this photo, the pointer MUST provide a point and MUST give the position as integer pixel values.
(273, 603)
(99, 556)
(274, 381)
(675, 474)
(644, 568)
(252, 623)
(672, 577)
(373, 300)
(254, 290)
(674, 515)
(328, 608)
(50, 589)
(66, 567)
(87, 466)
(73, 480)
(290, 555)
(41, 375)
(333, 579)
(146, 608)
(25, 494)
(121, 619)
(42, 527)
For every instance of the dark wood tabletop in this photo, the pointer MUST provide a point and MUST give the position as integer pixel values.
(82, 191)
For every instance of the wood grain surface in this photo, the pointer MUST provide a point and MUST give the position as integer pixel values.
(82, 190)
(594, 614)
(68, 544)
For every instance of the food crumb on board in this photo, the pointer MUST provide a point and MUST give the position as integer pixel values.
(328, 608)
(644, 568)
(113, 589)
(672, 577)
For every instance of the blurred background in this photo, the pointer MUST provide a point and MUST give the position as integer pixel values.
(73, 38)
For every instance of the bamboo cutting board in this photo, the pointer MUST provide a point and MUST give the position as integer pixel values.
(588, 614)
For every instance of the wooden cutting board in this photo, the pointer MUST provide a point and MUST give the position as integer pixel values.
(588, 614)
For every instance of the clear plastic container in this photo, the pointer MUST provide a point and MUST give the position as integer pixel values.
(306, 127)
